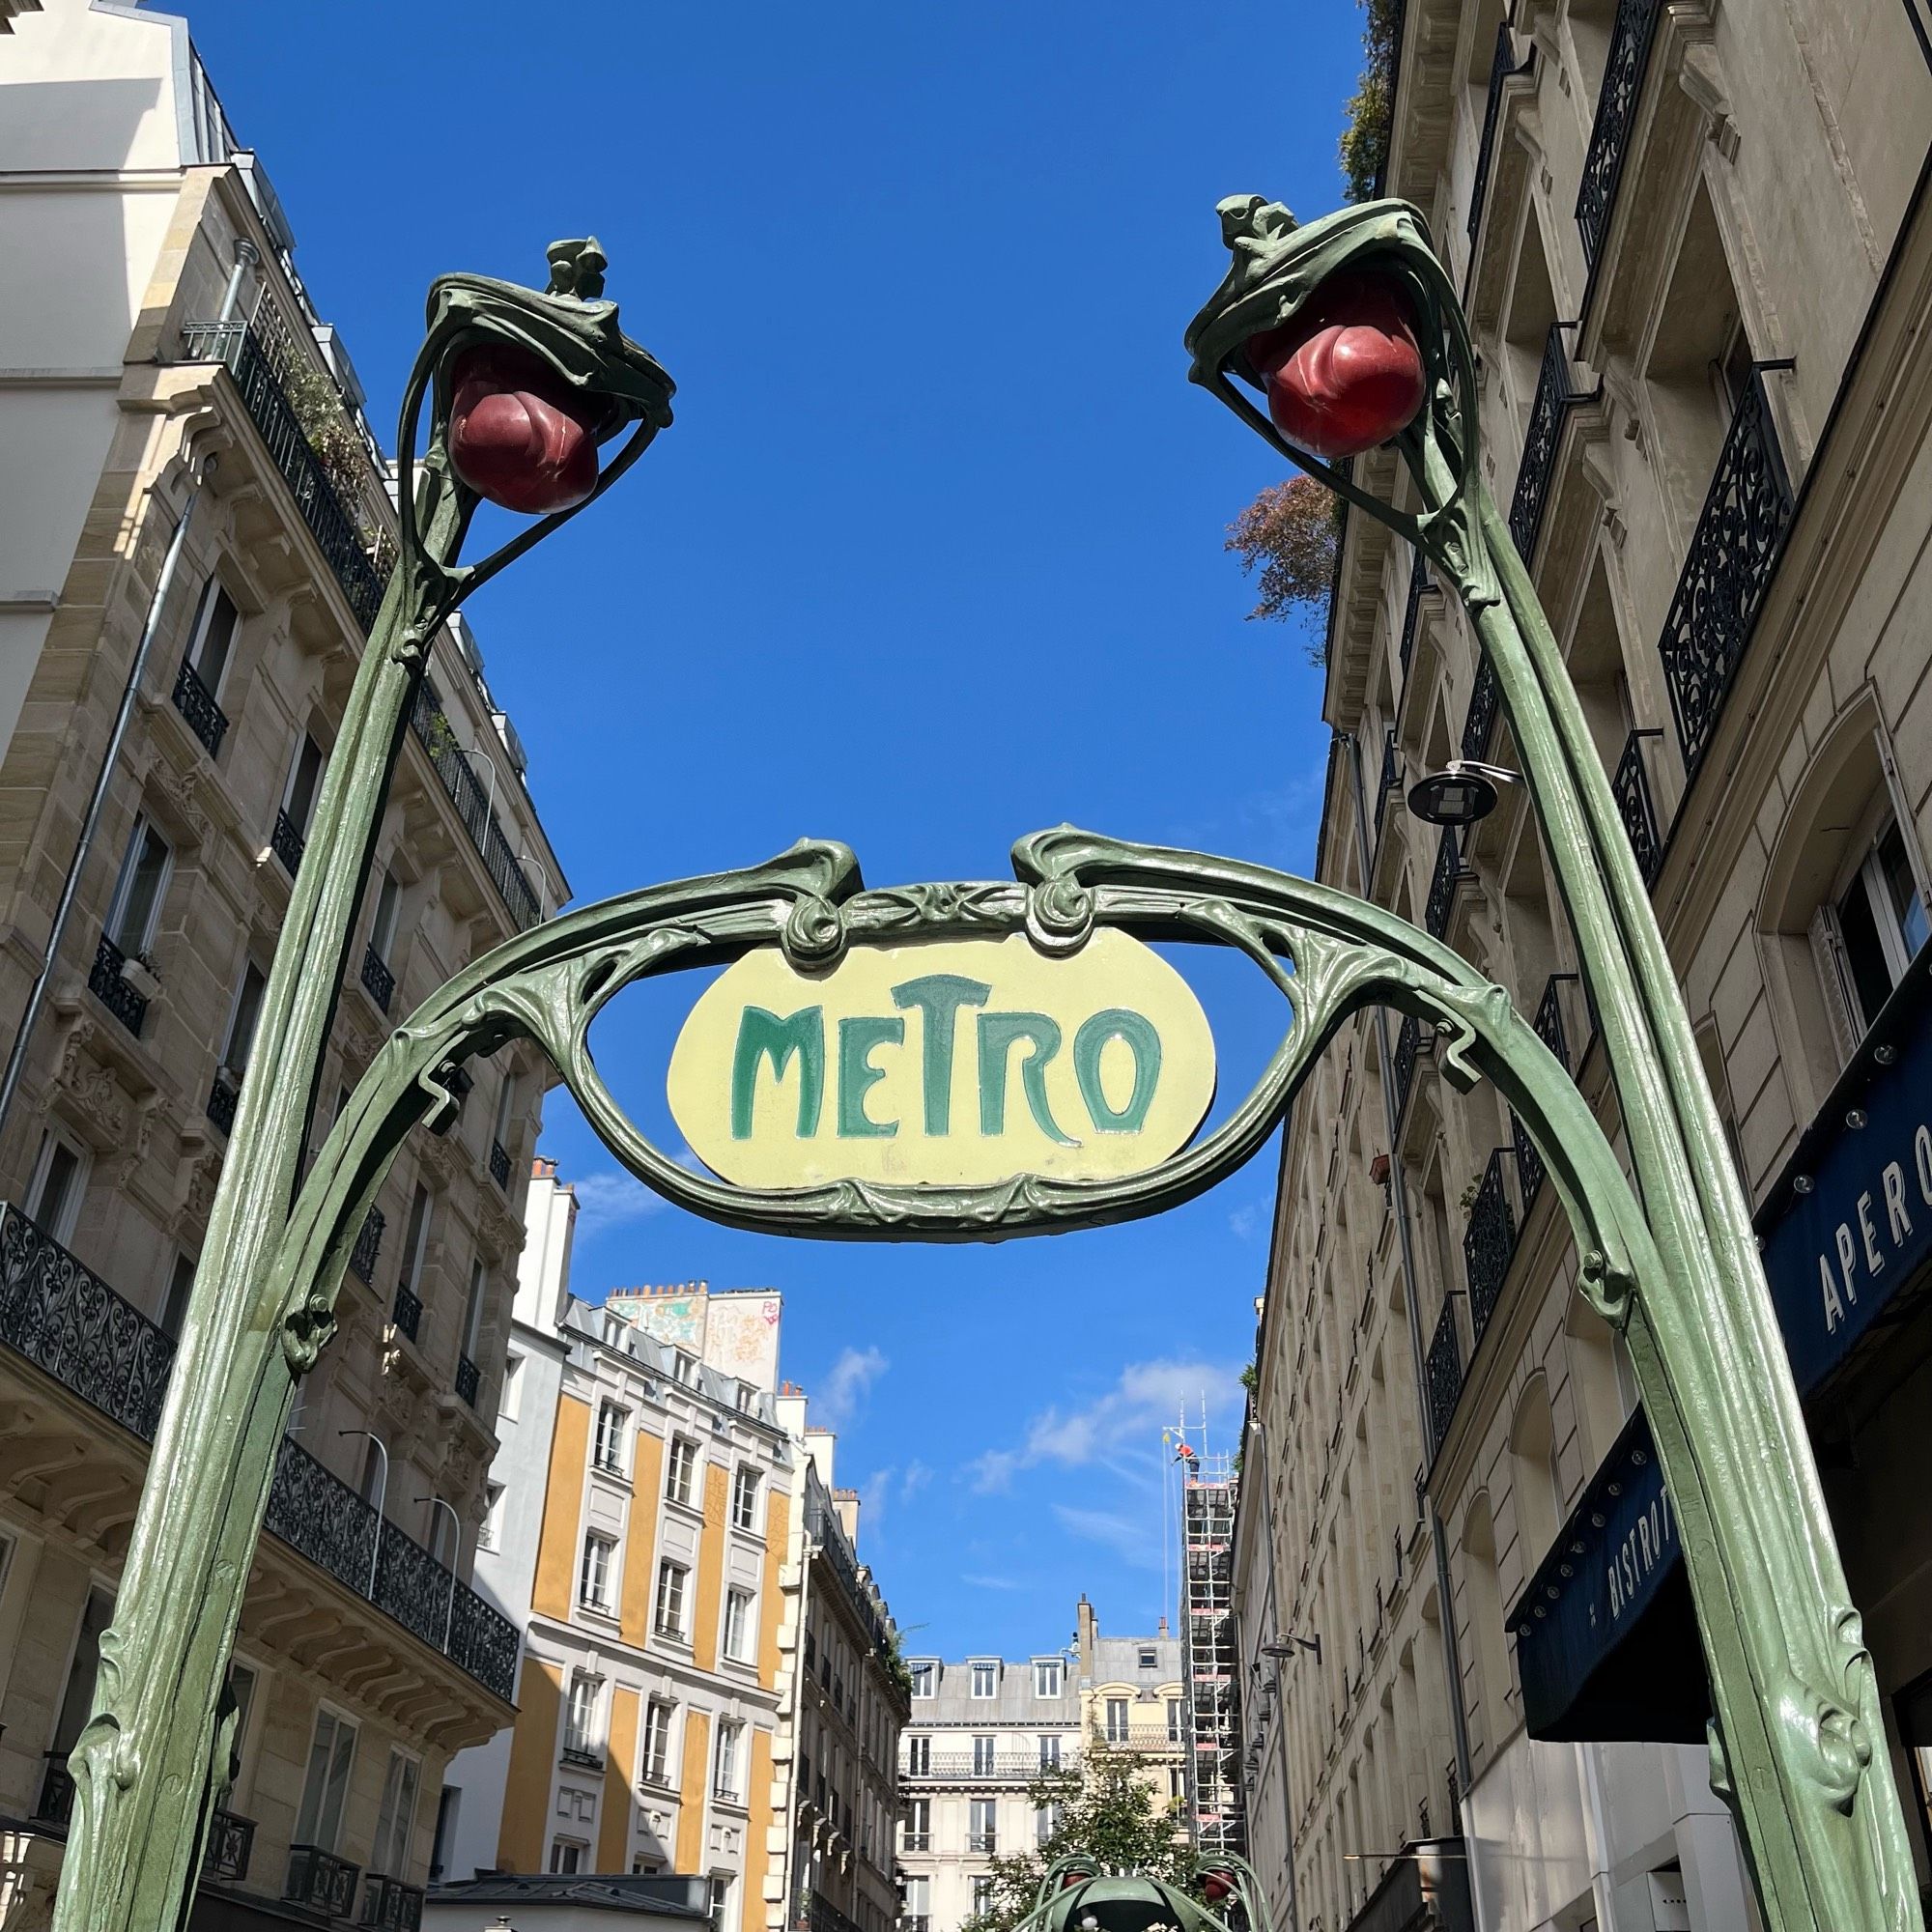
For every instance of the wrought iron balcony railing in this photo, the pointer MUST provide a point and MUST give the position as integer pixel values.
(1000, 1767)
(368, 1245)
(1548, 1020)
(822, 1916)
(1443, 1371)
(499, 1166)
(1486, 701)
(431, 726)
(377, 981)
(1728, 568)
(68, 1321)
(223, 1097)
(1442, 883)
(231, 1842)
(1488, 1242)
(1630, 37)
(1402, 1062)
(1630, 785)
(1418, 582)
(321, 1881)
(1555, 397)
(1530, 1167)
(408, 1314)
(56, 1800)
(468, 1379)
(1503, 67)
(237, 346)
(287, 842)
(106, 984)
(196, 704)
(582, 1756)
(390, 1904)
(1390, 779)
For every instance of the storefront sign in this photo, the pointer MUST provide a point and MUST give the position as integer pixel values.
(948, 1062)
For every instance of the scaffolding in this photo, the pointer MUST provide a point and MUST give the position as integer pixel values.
(1211, 1697)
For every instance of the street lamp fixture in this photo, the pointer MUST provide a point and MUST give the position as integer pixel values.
(1288, 1643)
(1464, 791)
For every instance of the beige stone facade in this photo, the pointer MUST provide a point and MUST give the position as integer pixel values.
(1698, 259)
(161, 409)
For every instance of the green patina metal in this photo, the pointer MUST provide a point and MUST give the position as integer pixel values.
(1799, 1743)
(143, 1783)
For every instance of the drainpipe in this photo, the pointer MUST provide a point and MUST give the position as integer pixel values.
(1452, 1662)
(246, 255)
(1273, 1622)
(16, 1059)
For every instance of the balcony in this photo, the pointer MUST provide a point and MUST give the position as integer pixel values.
(393, 1905)
(196, 704)
(70, 1324)
(1549, 1022)
(1630, 785)
(468, 1379)
(1503, 67)
(236, 346)
(1443, 1371)
(1402, 1062)
(1733, 554)
(321, 1881)
(368, 1245)
(377, 981)
(287, 842)
(1485, 700)
(223, 1097)
(1418, 582)
(1442, 883)
(1530, 1166)
(1002, 1767)
(408, 1313)
(56, 1800)
(582, 1757)
(1488, 1242)
(1390, 779)
(499, 1166)
(460, 783)
(822, 1916)
(106, 984)
(982, 1842)
(231, 1842)
(1555, 397)
(1630, 37)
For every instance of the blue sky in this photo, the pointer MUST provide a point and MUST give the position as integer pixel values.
(931, 557)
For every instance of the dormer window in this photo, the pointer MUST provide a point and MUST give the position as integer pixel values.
(1049, 1677)
(924, 1678)
(985, 1677)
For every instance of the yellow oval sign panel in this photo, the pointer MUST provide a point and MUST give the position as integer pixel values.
(947, 1062)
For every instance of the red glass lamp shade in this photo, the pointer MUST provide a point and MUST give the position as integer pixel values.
(1345, 374)
(519, 435)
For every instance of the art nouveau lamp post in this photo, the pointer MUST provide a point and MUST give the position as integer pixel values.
(524, 391)
(1329, 340)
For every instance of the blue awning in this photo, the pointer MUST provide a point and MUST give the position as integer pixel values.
(1607, 1636)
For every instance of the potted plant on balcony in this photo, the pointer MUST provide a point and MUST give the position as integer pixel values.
(137, 974)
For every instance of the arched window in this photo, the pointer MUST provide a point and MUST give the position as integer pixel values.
(1534, 1480)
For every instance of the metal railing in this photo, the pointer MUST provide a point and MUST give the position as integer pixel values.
(1630, 39)
(1442, 883)
(1488, 1242)
(55, 1805)
(1486, 701)
(408, 1313)
(1728, 568)
(237, 346)
(1555, 397)
(287, 842)
(1390, 779)
(231, 1842)
(465, 790)
(223, 1097)
(499, 1165)
(196, 704)
(377, 981)
(368, 1245)
(1630, 785)
(1548, 1021)
(390, 1904)
(1402, 1062)
(582, 1756)
(1418, 582)
(322, 1881)
(106, 984)
(822, 1916)
(1502, 67)
(1443, 1371)
(1529, 1168)
(468, 1379)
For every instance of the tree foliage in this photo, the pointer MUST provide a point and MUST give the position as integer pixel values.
(1289, 533)
(1113, 1809)
(1365, 139)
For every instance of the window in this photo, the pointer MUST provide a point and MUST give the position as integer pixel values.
(918, 1902)
(491, 1528)
(506, 1100)
(1150, 1658)
(59, 1179)
(919, 1757)
(1049, 1676)
(725, 1783)
(681, 1471)
(1173, 1720)
(1047, 1821)
(982, 1893)
(566, 1855)
(657, 1742)
(982, 1829)
(925, 1679)
(241, 1686)
(982, 1756)
(721, 1902)
(580, 1716)
(1177, 1783)
(671, 1579)
(382, 928)
(1880, 922)
(593, 1584)
(373, 1484)
(472, 1310)
(242, 1017)
(77, 1700)
(683, 1366)
(414, 1242)
(612, 1428)
(397, 1817)
(139, 893)
(985, 1679)
(745, 1499)
(332, 1758)
(1049, 1753)
(304, 782)
(1117, 1721)
(919, 1825)
(212, 636)
(513, 1389)
(738, 1625)
(448, 1808)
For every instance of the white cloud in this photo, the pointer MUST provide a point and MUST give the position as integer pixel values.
(847, 1386)
(917, 1475)
(1131, 1539)
(994, 1582)
(1123, 1424)
(611, 1199)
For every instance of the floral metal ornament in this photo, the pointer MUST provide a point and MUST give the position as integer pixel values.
(1798, 1745)
(152, 1762)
